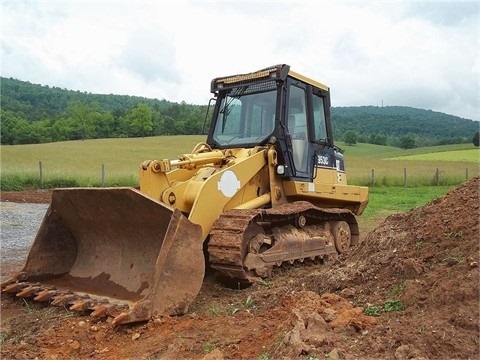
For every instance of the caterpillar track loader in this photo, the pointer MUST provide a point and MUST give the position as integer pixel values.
(267, 187)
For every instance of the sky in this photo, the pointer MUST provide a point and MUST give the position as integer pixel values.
(422, 54)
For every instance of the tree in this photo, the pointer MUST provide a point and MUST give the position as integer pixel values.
(40, 132)
(350, 137)
(475, 139)
(10, 123)
(80, 117)
(103, 122)
(407, 142)
(140, 120)
(378, 139)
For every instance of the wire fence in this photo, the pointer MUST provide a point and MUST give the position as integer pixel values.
(395, 177)
(436, 178)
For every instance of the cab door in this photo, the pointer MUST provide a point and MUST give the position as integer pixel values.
(298, 130)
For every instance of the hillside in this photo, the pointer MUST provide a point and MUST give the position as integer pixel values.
(397, 121)
(36, 102)
(33, 113)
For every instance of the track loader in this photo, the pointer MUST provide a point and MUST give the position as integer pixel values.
(267, 187)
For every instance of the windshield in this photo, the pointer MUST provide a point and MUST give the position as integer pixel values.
(245, 119)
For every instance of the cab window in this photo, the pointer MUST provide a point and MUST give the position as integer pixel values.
(320, 129)
(297, 128)
(245, 119)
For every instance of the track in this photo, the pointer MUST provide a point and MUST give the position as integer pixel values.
(246, 245)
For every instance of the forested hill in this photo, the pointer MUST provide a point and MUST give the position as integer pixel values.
(33, 113)
(36, 102)
(426, 126)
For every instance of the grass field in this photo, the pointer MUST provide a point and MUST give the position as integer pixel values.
(79, 163)
(470, 155)
(386, 152)
(446, 164)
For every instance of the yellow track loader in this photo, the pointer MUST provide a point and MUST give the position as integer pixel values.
(267, 187)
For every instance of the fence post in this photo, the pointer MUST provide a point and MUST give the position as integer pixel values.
(373, 177)
(103, 175)
(41, 174)
(405, 177)
(437, 177)
(466, 174)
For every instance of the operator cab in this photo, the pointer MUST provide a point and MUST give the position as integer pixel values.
(276, 107)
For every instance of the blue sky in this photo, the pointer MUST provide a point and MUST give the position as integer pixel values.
(423, 54)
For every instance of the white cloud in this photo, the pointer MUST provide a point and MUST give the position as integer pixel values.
(420, 54)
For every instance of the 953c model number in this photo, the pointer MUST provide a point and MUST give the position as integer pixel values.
(323, 160)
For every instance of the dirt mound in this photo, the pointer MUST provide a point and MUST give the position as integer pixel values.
(410, 290)
(424, 261)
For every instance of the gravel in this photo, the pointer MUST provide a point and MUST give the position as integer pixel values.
(19, 223)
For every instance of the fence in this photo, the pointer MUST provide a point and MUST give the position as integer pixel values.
(437, 178)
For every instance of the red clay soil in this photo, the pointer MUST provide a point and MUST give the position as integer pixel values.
(410, 290)
(27, 196)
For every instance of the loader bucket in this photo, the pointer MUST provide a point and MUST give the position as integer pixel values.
(118, 244)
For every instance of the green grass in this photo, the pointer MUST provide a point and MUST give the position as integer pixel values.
(384, 201)
(408, 172)
(402, 198)
(120, 156)
(389, 305)
(386, 152)
(79, 163)
(470, 155)
(397, 167)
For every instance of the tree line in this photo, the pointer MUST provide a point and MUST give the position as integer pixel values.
(32, 113)
(400, 126)
(82, 121)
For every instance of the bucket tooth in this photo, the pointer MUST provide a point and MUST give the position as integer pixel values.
(28, 291)
(14, 288)
(15, 278)
(45, 295)
(140, 311)
(100, 311)
(65, 299)
(82, 305)
(121, 319)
